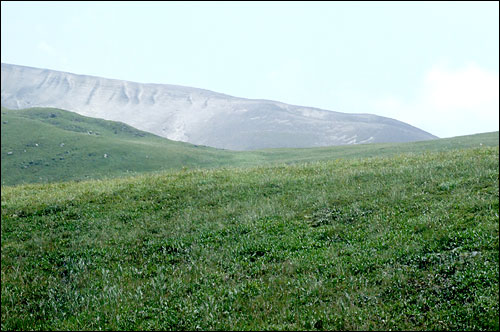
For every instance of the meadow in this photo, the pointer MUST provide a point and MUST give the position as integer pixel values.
(47, 145)
(383, 237)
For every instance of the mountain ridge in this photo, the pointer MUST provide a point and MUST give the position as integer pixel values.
(196, 115)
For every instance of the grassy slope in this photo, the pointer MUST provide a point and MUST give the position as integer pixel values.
(132, 151)
(408, 241)
(82, 156)
(291, 156)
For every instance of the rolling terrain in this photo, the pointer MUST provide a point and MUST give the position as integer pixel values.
(404, 241)
(53, 145)
(164, 235)
(198, 116)
(47, 145)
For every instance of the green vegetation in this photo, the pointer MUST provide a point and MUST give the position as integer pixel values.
(405, 241)
(41, 145)
(48, 145)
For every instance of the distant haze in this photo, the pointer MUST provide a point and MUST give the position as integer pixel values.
(198, 116)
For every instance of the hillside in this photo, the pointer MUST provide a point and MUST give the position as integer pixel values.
(198, 116)
(51, 145)
(72, 147)
(47, 145)
(402, 242)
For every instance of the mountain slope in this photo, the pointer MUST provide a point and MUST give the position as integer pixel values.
(198, 116)
(53, 145)
(47, 145)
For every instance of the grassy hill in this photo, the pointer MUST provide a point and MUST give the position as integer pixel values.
(47, 145)
(41, 145)
(405, 241)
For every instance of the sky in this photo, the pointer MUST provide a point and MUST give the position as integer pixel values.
(434, 65)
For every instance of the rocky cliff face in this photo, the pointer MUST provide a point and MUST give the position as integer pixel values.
(197, 116)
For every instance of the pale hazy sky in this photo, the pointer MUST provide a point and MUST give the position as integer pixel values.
(434, 65)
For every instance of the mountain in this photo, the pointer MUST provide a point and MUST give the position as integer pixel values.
(195, 115)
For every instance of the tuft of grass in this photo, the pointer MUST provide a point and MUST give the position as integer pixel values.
(408, 241)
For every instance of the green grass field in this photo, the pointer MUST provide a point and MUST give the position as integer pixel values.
(405, 240)
(43, 145)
